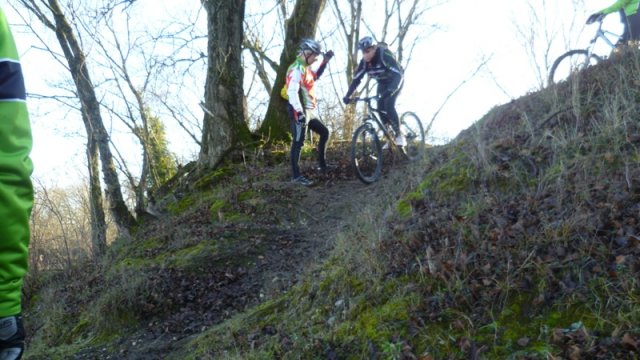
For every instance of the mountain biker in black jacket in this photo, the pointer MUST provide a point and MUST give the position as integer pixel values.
(379, 63)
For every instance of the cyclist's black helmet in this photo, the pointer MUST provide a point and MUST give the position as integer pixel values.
(311, 45)
(365, 43)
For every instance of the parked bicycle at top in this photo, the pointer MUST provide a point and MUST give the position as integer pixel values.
(366, 146)
(578, 59)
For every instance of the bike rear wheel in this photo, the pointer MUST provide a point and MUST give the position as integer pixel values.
(412, 129)
(569, 63)
(366, 154)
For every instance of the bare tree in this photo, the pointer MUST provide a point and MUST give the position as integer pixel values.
(132, 87)
(255, 41)
(54, 18)
(60, 227)
(225, 114)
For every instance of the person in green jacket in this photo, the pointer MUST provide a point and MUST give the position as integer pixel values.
(16, 194)
(629, 15)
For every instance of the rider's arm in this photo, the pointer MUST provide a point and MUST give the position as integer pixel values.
(357, 78)
(326, 57)
(619, 4)
(293, 86)
(320, 70)
(323, 65)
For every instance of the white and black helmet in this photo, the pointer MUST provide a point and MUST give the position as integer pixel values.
(365, 43)
(311, 45)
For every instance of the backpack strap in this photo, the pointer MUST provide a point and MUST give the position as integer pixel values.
(385, 56)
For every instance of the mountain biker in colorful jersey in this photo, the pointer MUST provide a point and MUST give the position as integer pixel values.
(16, 194)
(300, 83)
(630, 17)
(379, 63)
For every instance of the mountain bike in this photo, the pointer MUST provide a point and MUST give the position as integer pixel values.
(366, 146)
(575, 60)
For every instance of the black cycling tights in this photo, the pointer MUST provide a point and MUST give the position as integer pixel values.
(298, 132)
(631, 27)
(387, 103)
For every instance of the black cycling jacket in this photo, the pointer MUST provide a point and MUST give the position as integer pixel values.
(383, 67)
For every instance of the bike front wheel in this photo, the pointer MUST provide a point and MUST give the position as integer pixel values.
(569, 63)
(366, 154)
(411, 128)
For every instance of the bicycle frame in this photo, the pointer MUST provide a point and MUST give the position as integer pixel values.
(373, 118)
(605, 35)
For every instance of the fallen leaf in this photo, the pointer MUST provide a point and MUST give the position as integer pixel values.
(524, 341)
(557, 336)
(575, 353)
(629, 340)
(458, 324)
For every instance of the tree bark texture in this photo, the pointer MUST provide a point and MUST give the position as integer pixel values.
(302, 24)
(225, 113)
(98, 221)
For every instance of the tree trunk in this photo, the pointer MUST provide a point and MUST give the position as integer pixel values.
(302, 24)
(97, 216)
(94, 125)
(225, 114)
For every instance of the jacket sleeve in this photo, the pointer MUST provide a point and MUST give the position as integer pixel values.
(16, 192)
(619, 4)
(357, 78)
(295, 76)
(320, 70)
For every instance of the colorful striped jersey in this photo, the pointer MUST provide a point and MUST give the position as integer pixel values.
(300, 82)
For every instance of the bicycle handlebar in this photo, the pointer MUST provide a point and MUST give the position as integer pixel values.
(367, 100)
(596, 18)
(364, 99)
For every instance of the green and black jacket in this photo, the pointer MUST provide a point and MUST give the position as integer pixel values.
(16, 191)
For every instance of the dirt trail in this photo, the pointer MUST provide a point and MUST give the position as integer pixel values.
(326, 209)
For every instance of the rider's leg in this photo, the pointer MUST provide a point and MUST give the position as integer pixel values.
(388, 94)
(633, 26)
(297, 134)
(624, 38)
(318, 127)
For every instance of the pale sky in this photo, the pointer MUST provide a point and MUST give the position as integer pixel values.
(471, 30)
